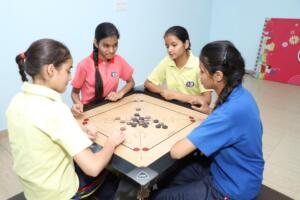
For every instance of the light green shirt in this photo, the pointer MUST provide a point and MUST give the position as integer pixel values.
(44, 136)
(185, 80)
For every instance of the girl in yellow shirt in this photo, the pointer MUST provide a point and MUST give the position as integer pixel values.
(45, 138)
(179, 71)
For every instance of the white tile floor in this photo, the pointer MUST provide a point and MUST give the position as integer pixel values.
(9, 184)
(280, 111)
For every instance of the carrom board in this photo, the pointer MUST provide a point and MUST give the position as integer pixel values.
(151, 125)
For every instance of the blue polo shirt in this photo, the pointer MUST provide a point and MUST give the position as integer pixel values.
(232, 136)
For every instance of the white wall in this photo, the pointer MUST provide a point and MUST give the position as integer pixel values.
(141, 24)
(242, 22)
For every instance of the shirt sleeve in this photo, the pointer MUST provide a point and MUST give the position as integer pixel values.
(127, 70)
(62, 128)
(158, 75)
(215, 132)
(80, 76)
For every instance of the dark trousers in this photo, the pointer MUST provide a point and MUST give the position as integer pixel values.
(190, 179)
(107, 189)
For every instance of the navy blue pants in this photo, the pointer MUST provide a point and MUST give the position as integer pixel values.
(107, 189)
(190, 180)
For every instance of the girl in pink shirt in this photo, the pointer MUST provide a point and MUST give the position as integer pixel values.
(97, 76)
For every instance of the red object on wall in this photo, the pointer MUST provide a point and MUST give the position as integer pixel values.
(279, 53)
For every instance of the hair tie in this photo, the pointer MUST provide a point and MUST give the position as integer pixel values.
(23, 56)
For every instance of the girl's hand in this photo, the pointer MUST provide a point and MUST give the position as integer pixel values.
(114, 96)
(197, 100)
(77, 109)
(116, 138)
(168, 94)
(200, 105)
(204, 108)
(91, 131)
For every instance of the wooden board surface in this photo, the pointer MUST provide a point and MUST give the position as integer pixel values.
(143, 145)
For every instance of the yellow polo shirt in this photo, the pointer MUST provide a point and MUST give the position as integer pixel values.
(185, 80)
(44, 136)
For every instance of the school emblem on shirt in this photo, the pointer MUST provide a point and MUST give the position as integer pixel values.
(190, 84)
(114, 74)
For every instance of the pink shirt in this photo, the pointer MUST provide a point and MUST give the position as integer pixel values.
(84, 79)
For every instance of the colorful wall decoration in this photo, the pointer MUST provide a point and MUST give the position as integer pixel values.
(279, 51)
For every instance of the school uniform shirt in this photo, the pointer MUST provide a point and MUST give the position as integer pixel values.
(232, 136)
(115, 69)
(44, 137)
(185, 80)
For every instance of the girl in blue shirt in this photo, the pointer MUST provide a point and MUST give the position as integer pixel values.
(231, 136)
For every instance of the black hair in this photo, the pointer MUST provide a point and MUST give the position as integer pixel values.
(40, 53)
(223, 56)
(180, 32)
(102, 31)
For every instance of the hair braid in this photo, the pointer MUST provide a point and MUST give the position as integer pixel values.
(234, 79)
(224, 94)
(21, 64)
(98, 78)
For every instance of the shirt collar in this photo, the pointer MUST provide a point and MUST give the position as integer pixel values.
(41, 90)
(100, 60)
(188, 64)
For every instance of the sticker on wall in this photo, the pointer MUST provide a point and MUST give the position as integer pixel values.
(270, 47)
(294, 39)
(285, 44)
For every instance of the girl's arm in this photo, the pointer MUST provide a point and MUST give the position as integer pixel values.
(202, 99)
(182, 148)
(200, 103)
(75, 95)
(129, 85)
(114, 96)
(93, 163)
(77, 107)
(152, 87)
